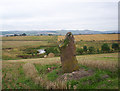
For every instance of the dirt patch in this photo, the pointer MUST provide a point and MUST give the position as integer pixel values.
(76, 75)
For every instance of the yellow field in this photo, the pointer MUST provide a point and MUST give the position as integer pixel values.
(18, 44)
(96, 37)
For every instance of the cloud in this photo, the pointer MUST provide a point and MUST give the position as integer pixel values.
(58, 14)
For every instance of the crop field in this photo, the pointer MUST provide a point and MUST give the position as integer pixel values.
(17, 44)
(103, 66)
(30, 38)
(95, 37)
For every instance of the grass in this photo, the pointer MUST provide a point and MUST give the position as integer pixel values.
(29, 38)
(49, 69)
(95, 44)
(87, 60)
(96, 81)
(18, 44)
(14, 77)
(16, 47)
(11, 51)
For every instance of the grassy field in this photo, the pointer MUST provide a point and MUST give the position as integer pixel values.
(30, 38)
(45, 73)
(12, 47)
(104, 66)
(17, 46)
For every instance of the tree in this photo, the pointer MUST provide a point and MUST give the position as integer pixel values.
(24, 34)
(49, 34)
(98, 51)
(115, 46)
(105, 47)
(91, 49)
(15, 34)
(85, 48)
(52, 50)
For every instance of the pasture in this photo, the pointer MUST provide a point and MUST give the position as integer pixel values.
(30, 38)
(37, 72)
(103, 66)
(15, 46)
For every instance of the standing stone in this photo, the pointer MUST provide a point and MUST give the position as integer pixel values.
(68, 54)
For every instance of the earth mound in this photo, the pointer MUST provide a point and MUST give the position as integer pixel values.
(76, 75)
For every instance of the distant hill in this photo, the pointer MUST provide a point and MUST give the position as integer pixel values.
(57, 32)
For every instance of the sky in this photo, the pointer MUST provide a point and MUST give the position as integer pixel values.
(101, 15)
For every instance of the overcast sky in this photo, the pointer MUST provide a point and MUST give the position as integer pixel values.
(58, 14)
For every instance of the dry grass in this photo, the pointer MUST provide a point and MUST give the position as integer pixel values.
(30, 38)
(32, 73)
(111, 65)
(42, 61)
(14, 44)
(0, 74)
(96, 37)
(104, 61)
(50, 85)
(11, 72)
(100, 61)
(30, 70)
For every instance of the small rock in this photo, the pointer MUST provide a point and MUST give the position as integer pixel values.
(45, 56)
(50, 55)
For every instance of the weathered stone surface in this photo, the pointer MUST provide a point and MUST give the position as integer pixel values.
(68, 54)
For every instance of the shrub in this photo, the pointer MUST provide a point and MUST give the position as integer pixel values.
(85, 48)
(115, 46)
(80, 51)
(30, 51)
(105, 48)
(98, 51)
(54, 50)
(25, 56)
(91, 49)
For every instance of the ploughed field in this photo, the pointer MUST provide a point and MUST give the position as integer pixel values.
(97, 71)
